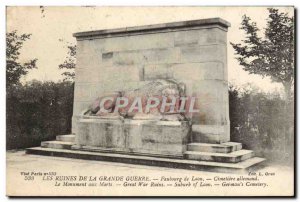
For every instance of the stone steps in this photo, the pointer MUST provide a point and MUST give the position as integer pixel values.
(232, 157)
(239, 167)
(225, 157)
(215, 148)
(57, 144)
(66, 138)
(229, 152)
(61, 142)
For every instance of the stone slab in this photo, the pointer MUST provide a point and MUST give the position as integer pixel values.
(100, 132)
(140, 152)
(157, 71)
(135, 42)
(205, 53)
(233, 157)
(57, 144)
(156, 27)
(235, 145)
(214, 148)
(241, 167)
(195, 72)
(214, 134)
(66, 138)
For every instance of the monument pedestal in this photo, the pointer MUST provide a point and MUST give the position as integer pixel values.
(214, 134)
(154, 143)
(199, 156)
(141, 137)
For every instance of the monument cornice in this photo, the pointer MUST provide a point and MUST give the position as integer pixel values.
(163, 27)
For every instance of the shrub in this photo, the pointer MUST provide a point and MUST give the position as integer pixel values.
(262, 122)
(37, 111)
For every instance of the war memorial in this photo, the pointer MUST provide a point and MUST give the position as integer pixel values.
(154, 95)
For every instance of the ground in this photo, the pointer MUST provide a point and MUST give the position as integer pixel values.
(276, 180)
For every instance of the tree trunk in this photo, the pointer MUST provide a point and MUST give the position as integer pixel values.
(289, 116)
(287, 91)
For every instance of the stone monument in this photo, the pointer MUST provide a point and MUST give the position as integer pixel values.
(184, 59)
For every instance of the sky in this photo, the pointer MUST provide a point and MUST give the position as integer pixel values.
(53, 27)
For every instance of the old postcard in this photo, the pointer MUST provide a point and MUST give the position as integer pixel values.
(150, 101)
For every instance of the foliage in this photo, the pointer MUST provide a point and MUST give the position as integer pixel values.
(38, 111)
(262, 123)
(69, 64)
(273, 55)
(14, 69)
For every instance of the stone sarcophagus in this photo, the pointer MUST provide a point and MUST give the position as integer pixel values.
(192, 53)
(153, 95)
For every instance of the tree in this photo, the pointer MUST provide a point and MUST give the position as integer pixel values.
(273, 55)
(69, 63)
(14, 69)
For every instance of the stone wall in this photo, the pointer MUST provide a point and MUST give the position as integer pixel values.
(193, 52)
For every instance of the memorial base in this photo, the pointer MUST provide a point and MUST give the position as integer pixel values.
(141, 137)
(227, 157)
